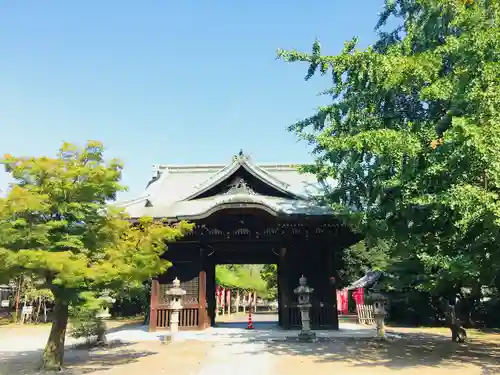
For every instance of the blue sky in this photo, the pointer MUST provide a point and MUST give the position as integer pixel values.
(172, 82)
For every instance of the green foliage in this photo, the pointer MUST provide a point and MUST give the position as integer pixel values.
(85, 323)
(132, 301)
(56, 224)
(412, 137)
(241, 276)
(363, 257)
(33, 290)
(269, 273)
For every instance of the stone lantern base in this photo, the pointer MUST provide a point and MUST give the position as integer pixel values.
(307, 336)
(380, 324)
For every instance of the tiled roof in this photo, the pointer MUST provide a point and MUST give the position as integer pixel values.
(368, 280)
(173, 190)
(199, 208)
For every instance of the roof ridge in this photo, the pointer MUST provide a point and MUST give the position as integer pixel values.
(221, 165)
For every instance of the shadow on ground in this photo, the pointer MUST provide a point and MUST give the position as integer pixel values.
(77, 360)
(407, 351)
(120, 326)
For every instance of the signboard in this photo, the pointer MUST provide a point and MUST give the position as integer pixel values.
(4, 303)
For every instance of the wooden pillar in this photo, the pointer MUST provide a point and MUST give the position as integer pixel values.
(283, 280)
(153, 306)
(202, 300)
(332, 287)
(211, 292)
(202, 292)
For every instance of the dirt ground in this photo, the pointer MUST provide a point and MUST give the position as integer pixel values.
(149, 358)
(413, 354)
(417, 351)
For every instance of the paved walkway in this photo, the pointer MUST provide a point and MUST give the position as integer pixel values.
(245, 358)
(234, 330)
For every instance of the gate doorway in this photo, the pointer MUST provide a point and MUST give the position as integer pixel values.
(243, 295)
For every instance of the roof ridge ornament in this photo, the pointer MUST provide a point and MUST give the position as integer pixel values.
(239, 186)
(241, 157)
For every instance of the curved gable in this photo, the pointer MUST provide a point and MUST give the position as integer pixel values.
(241, 170)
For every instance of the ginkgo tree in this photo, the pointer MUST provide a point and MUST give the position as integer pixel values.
(57, 224)
(412, 136)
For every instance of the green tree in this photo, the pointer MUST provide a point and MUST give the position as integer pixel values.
(362, 257)
(269, 273)
(412, 137)
(56, 224)
(246, 277)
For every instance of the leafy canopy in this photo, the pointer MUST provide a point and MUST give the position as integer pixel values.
(56, 224)
(412, 137)
(246, 277)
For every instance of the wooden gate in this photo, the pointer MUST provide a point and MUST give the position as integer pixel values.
(193, 315)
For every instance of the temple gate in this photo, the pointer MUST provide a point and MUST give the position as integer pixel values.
(244, 214)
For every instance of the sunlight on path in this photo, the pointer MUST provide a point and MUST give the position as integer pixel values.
(228, 358)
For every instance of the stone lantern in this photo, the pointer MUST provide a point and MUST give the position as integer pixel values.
(379, 311)
(106, 302)
(304, 293)
(174, 296)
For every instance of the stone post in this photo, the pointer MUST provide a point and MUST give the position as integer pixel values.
(103, 313)
(304, 292)
(174, 296)
(379, 312)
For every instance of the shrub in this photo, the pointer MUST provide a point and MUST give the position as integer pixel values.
(86, 324)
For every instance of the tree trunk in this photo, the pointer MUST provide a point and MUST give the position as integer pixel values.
(18, 296)
(458, 333)
(38, 309)
(23, 316)
(54, 349)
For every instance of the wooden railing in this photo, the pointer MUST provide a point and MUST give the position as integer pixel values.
(365, 314)
(322, 317)
(189, 318)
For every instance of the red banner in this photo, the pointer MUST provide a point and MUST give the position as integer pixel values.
(342, 301)
(218, 293)
(359, 296)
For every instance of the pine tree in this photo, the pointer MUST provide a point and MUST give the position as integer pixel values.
(56, 224)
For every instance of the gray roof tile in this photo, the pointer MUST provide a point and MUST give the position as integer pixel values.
(173, 184)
